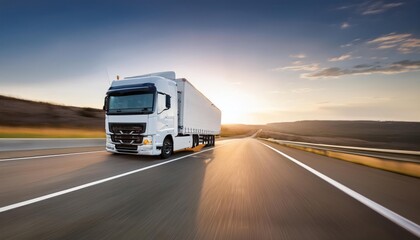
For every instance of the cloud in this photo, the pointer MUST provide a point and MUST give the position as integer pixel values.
(299, 67)
(379, 58)
(391, 38)
(393, 68)
(387, 46)
(346, 45)
(350, 43)
(404, 43)
(371, 7)
(345, 7)
(300, 56)
(410, 45)
(340, 58)
(376, 7)
(344, 25)
(363, 66)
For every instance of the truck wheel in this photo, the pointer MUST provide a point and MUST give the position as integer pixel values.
(167, 148)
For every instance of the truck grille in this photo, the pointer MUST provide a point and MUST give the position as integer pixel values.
(127, 133)
(127, 128)
(127, 138)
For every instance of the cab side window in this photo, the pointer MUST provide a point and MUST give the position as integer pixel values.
(161, 103)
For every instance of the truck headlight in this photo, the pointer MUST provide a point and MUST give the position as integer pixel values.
(148, 140)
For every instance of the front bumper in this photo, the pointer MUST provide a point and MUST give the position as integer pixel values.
(142, 149)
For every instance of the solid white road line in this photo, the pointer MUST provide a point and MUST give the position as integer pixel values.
(56, 194)
(48, 156)
(394, 217)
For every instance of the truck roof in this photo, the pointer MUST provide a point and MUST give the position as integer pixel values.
(167, 74)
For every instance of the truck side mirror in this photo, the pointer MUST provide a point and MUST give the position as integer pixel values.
(105, 103)
(168, 101)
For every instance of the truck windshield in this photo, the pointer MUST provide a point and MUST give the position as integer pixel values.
(133, 103)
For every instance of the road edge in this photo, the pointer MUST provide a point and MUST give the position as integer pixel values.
(406, 168)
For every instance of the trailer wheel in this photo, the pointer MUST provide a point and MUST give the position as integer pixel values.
(195, 141)
(167, 148)
(207, 140)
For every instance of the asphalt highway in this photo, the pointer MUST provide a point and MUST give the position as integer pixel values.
(240, 189)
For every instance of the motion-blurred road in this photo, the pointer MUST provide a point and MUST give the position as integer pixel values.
(241, 189)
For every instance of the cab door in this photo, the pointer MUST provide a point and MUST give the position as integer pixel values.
(165, 114)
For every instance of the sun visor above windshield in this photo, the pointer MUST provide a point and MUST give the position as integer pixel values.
(123, 89)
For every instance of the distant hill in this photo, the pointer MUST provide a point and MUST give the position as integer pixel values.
(239, 130)
(383, 134)
(26, 113)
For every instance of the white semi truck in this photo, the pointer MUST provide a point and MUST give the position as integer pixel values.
(157, 114)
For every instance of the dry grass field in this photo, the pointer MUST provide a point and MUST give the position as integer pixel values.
(48, 132)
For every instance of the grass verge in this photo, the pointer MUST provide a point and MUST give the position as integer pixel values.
(401, 167)
(39, 132)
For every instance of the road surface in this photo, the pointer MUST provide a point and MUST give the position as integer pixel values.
(241, 189)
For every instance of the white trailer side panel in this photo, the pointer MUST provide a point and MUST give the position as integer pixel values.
(197, 114)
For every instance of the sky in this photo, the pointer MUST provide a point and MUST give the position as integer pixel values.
(258, 61)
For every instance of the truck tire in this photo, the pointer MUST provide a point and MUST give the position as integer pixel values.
(195, 141)
(167, 148)
(205, 140)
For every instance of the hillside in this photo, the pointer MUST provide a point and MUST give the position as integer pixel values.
(24, 113)
(382, 134)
